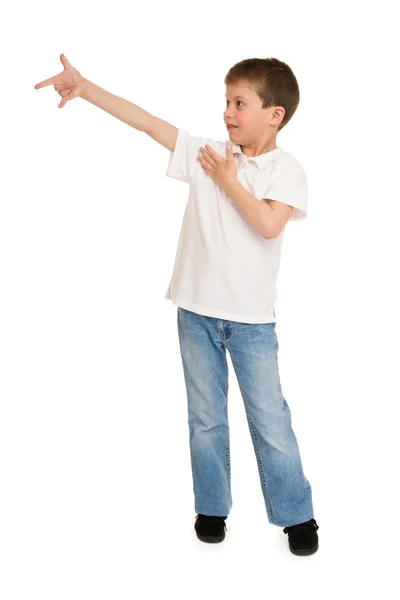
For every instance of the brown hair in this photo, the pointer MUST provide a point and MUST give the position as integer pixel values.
(273, 81)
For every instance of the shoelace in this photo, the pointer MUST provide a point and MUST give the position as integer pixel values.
(308, 526)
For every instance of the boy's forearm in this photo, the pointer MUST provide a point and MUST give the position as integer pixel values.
(257, 213)
(118, 107)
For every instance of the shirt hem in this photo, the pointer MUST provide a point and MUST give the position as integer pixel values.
(211, 312)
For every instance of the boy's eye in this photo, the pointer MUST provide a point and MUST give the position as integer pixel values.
(226, 101)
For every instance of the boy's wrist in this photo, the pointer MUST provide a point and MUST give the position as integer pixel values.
(83, 87)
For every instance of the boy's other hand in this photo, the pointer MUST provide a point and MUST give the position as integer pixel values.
(69, 83)
(220, 170)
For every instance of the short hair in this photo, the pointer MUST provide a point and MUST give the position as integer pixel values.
(273, 81)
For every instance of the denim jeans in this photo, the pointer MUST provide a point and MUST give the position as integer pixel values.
(253, 349)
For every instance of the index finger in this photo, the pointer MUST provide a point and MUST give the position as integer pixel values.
(55, 79)
(211, 151)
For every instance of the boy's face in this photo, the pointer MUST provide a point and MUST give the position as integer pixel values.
(243, 108)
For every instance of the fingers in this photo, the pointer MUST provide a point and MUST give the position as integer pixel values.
(64, 93)
(206, 157)
(55, 79)
(64, 101)
(64, 86)
(65, 62)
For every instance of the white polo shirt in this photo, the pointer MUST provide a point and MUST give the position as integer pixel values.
(223, 267)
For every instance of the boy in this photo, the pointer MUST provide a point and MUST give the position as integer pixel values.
(242, 194)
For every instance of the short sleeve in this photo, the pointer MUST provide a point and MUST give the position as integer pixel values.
(183, 160)
(291, 187)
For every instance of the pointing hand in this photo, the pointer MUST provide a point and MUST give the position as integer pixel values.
(69, 83)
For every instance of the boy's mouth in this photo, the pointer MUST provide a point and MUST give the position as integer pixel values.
(229, 127)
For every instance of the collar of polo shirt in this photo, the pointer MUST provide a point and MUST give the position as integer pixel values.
(262, 160)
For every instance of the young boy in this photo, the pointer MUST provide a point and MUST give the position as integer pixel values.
(242, 192)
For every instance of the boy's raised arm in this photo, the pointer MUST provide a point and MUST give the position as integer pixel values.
(70, 84)
(118, 107)
(161, 131)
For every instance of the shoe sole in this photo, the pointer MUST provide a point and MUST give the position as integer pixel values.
(211, 539)
(304, 552)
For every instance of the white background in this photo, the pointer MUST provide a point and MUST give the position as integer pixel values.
(96, 488)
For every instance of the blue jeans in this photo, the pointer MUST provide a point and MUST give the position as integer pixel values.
(253, 349)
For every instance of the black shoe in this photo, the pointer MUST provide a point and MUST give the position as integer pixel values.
(303, 538)
(210, 529)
